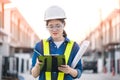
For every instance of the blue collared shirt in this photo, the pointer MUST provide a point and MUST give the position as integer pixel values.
(54, 50)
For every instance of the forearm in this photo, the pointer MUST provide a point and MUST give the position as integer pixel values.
(35, 70)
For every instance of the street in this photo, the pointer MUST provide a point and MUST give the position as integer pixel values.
(98, 76)
(87, 75)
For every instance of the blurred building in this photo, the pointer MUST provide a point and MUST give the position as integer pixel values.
(20, 37)
(105, 41)
(2, 34)
(17, 40)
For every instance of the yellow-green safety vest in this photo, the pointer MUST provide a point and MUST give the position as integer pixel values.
(46, 50)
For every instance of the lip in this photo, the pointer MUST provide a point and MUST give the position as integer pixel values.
(55, 33)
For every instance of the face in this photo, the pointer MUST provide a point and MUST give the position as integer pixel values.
(55, 28)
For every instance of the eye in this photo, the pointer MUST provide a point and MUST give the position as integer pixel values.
(51, 27)
(58, 26)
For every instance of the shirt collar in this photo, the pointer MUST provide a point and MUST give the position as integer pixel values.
(66, 39)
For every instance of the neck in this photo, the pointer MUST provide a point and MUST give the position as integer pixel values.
(58, 39)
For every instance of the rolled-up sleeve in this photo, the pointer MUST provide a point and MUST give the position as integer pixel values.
(79, 64)
(79, 70)
(35, 53)
(79, 73)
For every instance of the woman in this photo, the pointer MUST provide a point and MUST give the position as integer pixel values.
(58, 44)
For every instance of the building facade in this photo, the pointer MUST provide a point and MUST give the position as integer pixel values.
(17, 40)
(20, 35)
(105, 40)
(2, 33)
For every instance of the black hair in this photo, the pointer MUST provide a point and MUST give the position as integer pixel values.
(64, 33)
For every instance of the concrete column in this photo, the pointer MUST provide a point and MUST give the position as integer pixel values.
(0, 67)
(19, 69)
(108, 62)
(12, 51)
(5, 49)
(100, 65)
(117, 56)
(25, 65)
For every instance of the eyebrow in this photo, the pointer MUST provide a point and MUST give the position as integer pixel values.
(54, 25)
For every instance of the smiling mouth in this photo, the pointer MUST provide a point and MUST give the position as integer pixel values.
(54, 33)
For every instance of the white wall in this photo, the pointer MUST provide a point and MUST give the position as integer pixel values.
(25, 56)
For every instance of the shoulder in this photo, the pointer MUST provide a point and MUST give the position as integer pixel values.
(76, 45)
(70, 40)
(38, 44)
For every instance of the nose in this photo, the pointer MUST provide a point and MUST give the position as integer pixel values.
(55, 28)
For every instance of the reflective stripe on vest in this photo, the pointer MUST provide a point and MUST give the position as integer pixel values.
(67, 55)
(47, 52)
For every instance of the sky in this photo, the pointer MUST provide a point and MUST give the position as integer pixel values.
(82, 15)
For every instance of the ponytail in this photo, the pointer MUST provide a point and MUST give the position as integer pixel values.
(64, 33)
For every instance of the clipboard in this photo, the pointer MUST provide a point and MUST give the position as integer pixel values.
(50, 63)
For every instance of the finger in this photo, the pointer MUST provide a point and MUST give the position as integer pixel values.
(65, 70)
(39, 61)
(60, 69)
(64, 66)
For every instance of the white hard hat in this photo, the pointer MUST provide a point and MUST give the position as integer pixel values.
(54, 12)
